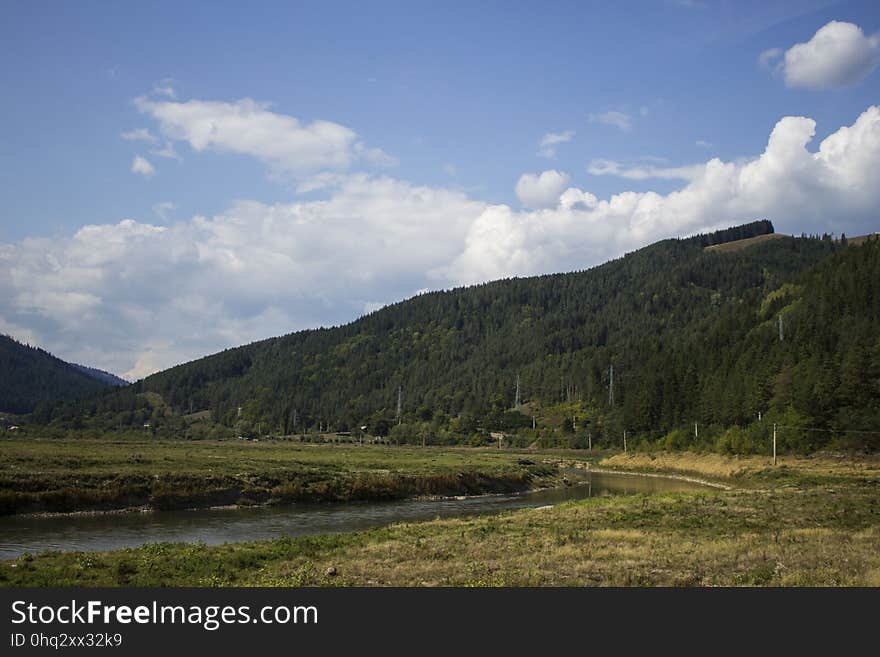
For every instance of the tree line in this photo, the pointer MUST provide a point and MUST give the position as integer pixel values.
(693, 336)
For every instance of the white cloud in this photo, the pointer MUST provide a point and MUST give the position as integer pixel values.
(771, 59)
(540, 190)
(548, 143)
(20, 333)
(574, 197)
(142, 166)
(164, 209)
(165, 87)
(838, 55)
(246, 127)
(139, 134)
(375, 156)
(702, 143)
(167, 151)
(617, 119)
(321, 181)
(832, 189)
(644, 172)
(152, 296)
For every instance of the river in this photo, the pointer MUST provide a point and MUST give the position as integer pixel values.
(112, 531)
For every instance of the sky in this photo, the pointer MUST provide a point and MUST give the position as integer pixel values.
(181, 178)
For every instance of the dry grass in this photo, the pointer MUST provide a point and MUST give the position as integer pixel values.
(727, 468)
(739, 245)
(808, 522)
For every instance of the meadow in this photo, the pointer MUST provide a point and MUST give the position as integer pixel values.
(806, 522)
(69, 475)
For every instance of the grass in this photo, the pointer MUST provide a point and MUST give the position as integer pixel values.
(752, 470)
(739, 245)
(811, 522)
(76, 475)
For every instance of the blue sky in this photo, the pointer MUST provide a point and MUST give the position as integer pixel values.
(440, 103)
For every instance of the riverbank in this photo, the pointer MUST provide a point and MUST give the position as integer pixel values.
(89, 476)
(806, 522)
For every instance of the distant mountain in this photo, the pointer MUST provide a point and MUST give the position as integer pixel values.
(785, 329)
(101, 375)
(29, 375)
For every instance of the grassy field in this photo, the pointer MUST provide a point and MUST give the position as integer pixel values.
(806, 522)
(76, 475)
(739, 245)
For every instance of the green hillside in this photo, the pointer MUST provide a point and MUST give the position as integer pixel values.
(692, 335)
(29, 375)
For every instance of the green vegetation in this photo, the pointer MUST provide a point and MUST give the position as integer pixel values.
(808, 522)
(31, 376)
(692, 335)
(77, 475)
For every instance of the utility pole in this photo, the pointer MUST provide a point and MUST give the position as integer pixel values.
(780, 328)
(774, 443)
(611, 386)
(516, 401)
(399, 404)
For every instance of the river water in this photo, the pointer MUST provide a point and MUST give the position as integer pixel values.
(20, 534)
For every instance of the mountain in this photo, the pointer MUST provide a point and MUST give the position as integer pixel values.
(29, 376)
(101, 375)
(692, 334)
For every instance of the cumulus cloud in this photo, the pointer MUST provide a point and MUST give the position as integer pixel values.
(142, 166)
(151, 296)
(831, 189)
(134, 297)
(548, 143)
(287, 145)
(838, 55)
(617, 119)
(644, 172)
(537, 190)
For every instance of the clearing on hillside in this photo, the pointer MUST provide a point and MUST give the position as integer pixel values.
(739, 245)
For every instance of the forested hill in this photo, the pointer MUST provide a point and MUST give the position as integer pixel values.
(105, 377)
(692, 335)
(29, 375)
